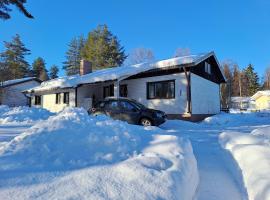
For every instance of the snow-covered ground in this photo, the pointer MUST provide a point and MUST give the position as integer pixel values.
(74, 156)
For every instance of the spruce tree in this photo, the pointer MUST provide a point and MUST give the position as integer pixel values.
(14, 58)
(253, 80)
(39, 69)
(54, 72)
(5, 8)
(73, 56)
(103, 49)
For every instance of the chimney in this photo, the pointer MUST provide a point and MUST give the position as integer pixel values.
(85, 67)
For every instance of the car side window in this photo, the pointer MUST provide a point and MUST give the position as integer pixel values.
(127, 106)
(112, 105)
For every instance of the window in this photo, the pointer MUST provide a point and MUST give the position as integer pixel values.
(37, 100)
(127, 106)
(207, 68)
(123, 91)
(58, 98)
(111, 105)
(108, 91)
(66, 97)
(161, 90)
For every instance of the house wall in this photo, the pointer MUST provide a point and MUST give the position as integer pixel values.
(13, 96)
(137, 89)
(263, 102)
(48, 100)
(205, 96)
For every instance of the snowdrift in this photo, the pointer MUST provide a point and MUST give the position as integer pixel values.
(75, 156)
(251, 151)
(22, 114)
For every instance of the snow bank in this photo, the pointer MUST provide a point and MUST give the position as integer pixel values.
(22, 114)
(232, 119)
(75, 156)
(252, 153)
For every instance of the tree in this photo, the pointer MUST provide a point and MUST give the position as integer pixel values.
(252, 80)
(236, 81)
(103, 49)
(13, 58)
(181, 52)
(54, 72)
(73, 56)
(39, 69)
(5, 8)
(266, 78)
(226, 89)
(140, 55)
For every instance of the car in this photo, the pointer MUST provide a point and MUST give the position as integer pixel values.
(129, 110)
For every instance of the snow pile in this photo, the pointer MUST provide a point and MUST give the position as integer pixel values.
(22, 114)
(251, 151)
(233, 119)
(76, 156)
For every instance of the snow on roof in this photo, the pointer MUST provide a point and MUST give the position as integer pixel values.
(240, 99)
(260, 93)
(118, 73)
(16, 81)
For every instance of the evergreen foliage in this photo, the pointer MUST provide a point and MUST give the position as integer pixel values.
(13, 59)
(5, 8)
(103, 49)
(39, 69)
(54, 72)
(252, 80)
(73, 56)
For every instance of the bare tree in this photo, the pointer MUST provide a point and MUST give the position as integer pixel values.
(140, 55)
(181, 52)
(266, 84)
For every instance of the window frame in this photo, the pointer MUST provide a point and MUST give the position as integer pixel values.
(207, 67)
(111, 90)
(66, 98)
(158, 82)
(57, 98)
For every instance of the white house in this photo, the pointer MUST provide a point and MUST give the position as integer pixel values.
(183, 87)
(242, 103)
(11, 92)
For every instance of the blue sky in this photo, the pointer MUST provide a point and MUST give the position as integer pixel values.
(235, 29)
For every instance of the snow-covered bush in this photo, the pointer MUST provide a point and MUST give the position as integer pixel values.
(251, 151)
(22, 114)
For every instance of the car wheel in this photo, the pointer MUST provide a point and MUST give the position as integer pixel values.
(146, 122)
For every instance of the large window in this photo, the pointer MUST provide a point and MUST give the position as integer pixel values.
(58, 98)
(66, 97)
(161, 90)
(37, 100)
(108, 91)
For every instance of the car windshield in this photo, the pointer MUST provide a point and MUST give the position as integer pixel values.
(137, 104)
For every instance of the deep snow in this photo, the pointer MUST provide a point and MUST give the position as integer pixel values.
(74, 156)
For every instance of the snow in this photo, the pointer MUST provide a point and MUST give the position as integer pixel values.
(240, 99)
(251, 151)
(260, 93)
(15, 81)
(22, 115)
(72, 155)
(117, 72)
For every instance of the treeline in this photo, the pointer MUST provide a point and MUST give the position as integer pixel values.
(13, 64)
(242, 82)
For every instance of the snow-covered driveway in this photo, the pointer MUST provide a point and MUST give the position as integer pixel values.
(219, 177)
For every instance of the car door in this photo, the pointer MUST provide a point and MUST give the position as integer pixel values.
(112, 109)
(129, 112)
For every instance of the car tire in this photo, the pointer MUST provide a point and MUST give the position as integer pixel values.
(146, 122)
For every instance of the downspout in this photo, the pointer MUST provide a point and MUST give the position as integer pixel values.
(187, 75)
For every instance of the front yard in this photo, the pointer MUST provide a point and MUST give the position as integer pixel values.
(70, 155)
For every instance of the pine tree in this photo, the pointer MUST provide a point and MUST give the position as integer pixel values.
(103, 49)
(73, 56)
(5, 8)
(252, 80)
(39, 69)
(44, 75)
(14, 58)
(54, 72)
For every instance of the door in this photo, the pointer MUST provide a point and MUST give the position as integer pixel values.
(129, 112)
(112, 109)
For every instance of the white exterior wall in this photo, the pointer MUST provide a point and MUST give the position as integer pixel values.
(205, 96)
(13, 96)
(48, 100)
(137, 89)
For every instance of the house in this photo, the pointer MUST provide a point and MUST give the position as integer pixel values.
(11, 91)
(241, 103)
(261, 100)
(183, 87)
